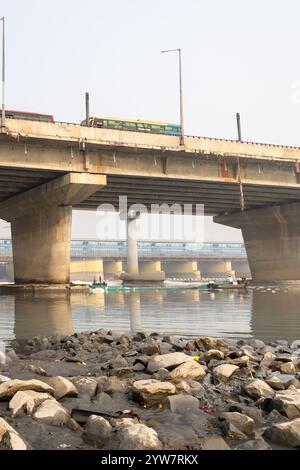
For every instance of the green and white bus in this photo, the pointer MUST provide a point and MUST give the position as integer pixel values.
(137, 126)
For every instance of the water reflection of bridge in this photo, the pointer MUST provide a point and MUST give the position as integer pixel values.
(266, 314)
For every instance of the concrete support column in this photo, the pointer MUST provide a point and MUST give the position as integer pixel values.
(132, 246)
(182, 269)
(216, 268)
(41, 222)
(272, 241)
(112, 268)
(150, 266)
(133, 274)
(41, 246)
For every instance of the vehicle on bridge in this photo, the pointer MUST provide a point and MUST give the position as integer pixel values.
(128, 125)
(28, 116)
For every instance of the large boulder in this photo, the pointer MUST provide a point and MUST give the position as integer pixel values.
(85, 385)
(286, 434)
(257, 388)
(63, 387)
(167, 361)
(213, 354)
(288, 368)
(138, 437)
(205, 343)
(52, 412)
(8, 389)
(214, 442)
(239, 420)
(27, 401)
(97, 431)
(10, 439)
(152, 391)
(224, 372)
(183, 404)
(188, 370)
(287, 402)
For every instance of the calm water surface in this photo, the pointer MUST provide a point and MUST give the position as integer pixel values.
(265, 313)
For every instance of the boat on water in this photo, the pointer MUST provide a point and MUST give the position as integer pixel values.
(117, 286)
(228, 285)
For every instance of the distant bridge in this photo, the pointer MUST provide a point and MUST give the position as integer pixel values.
(117, 249)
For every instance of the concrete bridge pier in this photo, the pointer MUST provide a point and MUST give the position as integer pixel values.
(272, 240)
(133, 273)
(182, 269)
(41, 222)
(112, 269)
(216, 269)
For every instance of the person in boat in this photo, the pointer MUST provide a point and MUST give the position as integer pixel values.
(103, 283)
(243, 281)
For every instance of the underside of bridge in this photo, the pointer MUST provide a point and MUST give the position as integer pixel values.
(38, 203)
(46, 170)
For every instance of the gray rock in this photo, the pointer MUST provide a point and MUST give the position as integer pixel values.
(85, 385)
(183, 404)
(152, 391)
(10, 439)
(8, 389)
(287, 402)
(63, 387)
(38, 370)
(151, 346)
(97, 431)
(288, 368)
(167, 361)
(213, 354)
(257, 344)
(138, 367)
(295, 344)
(214, 442)
(138, 437)
(240, 421)
(27, 401)
(52, 412)
(188, 370)
(258, 388)
(286, 434)
(232, 432)
(205, 343)
(224, 372)
(161, 374)
(254, 444)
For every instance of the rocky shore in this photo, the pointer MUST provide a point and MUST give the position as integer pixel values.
(105, 390)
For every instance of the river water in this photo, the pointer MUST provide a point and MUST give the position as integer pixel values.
(266, 313)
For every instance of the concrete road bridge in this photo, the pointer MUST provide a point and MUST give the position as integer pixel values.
(47, 169)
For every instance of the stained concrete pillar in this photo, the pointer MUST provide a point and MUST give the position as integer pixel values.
(112, 268)
(86, 270)
(150, 266)
(216, 269)
(241, 268)
(182, 269)
(41, 222)
(272, 240)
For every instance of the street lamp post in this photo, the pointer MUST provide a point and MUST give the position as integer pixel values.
(3, 73)
(180, 93)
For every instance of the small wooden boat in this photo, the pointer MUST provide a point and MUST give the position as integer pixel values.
(228, 285)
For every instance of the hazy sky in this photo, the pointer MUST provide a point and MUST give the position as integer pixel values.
(238, 56)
